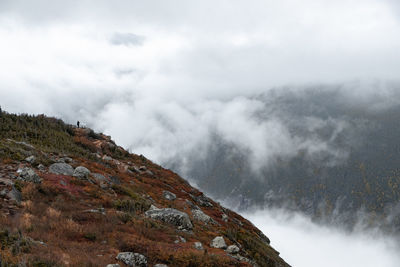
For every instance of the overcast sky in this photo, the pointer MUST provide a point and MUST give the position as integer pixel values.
(160, 76)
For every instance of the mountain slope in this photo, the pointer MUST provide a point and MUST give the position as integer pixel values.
(72, 197)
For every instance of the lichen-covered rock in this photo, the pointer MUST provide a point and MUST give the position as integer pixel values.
(218, 242)
(61, 168)
(169, 195)
(174, 217)
(233, 249)
(132, 259)
(199, 215)
(81, 172)
(29, 175)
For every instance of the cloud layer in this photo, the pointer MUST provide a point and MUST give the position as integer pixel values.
(303, 243)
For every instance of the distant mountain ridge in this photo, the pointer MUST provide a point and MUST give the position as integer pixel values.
(354, 175)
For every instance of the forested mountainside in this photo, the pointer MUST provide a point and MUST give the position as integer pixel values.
(72, 197)
(346, 167)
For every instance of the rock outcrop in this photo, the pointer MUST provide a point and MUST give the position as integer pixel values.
(174, 217)
(61, 168)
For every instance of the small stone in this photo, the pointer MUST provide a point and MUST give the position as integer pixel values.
(180, 240)
(113, 265)
(233, 249)
(30, 159)
(132, 259)
(142, 168)
(160, 265)
(198, 245)
(169, 195)
(41, 167)
(107, 158)
(218, 242)
(81, 173)
(225, 217)
(62, 182)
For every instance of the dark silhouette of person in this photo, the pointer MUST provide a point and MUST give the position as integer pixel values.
(77, 123)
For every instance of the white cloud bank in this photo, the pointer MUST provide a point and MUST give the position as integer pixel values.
(303, 243)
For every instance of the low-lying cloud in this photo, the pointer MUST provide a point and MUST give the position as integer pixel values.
(303, 243)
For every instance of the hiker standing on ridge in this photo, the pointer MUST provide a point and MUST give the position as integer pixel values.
(77, 123)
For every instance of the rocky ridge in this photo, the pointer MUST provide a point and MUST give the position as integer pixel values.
(72, 197)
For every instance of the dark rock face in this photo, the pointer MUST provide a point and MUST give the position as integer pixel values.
(61, 168)
(171, 216)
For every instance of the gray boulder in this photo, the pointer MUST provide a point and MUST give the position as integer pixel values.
(198, 246)
(132, 259)
(233, 249)
(81, 172)
(174, 217)
(218, 242)
(169, 195)
(29, 175)
(199, 215)
(61, 168)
